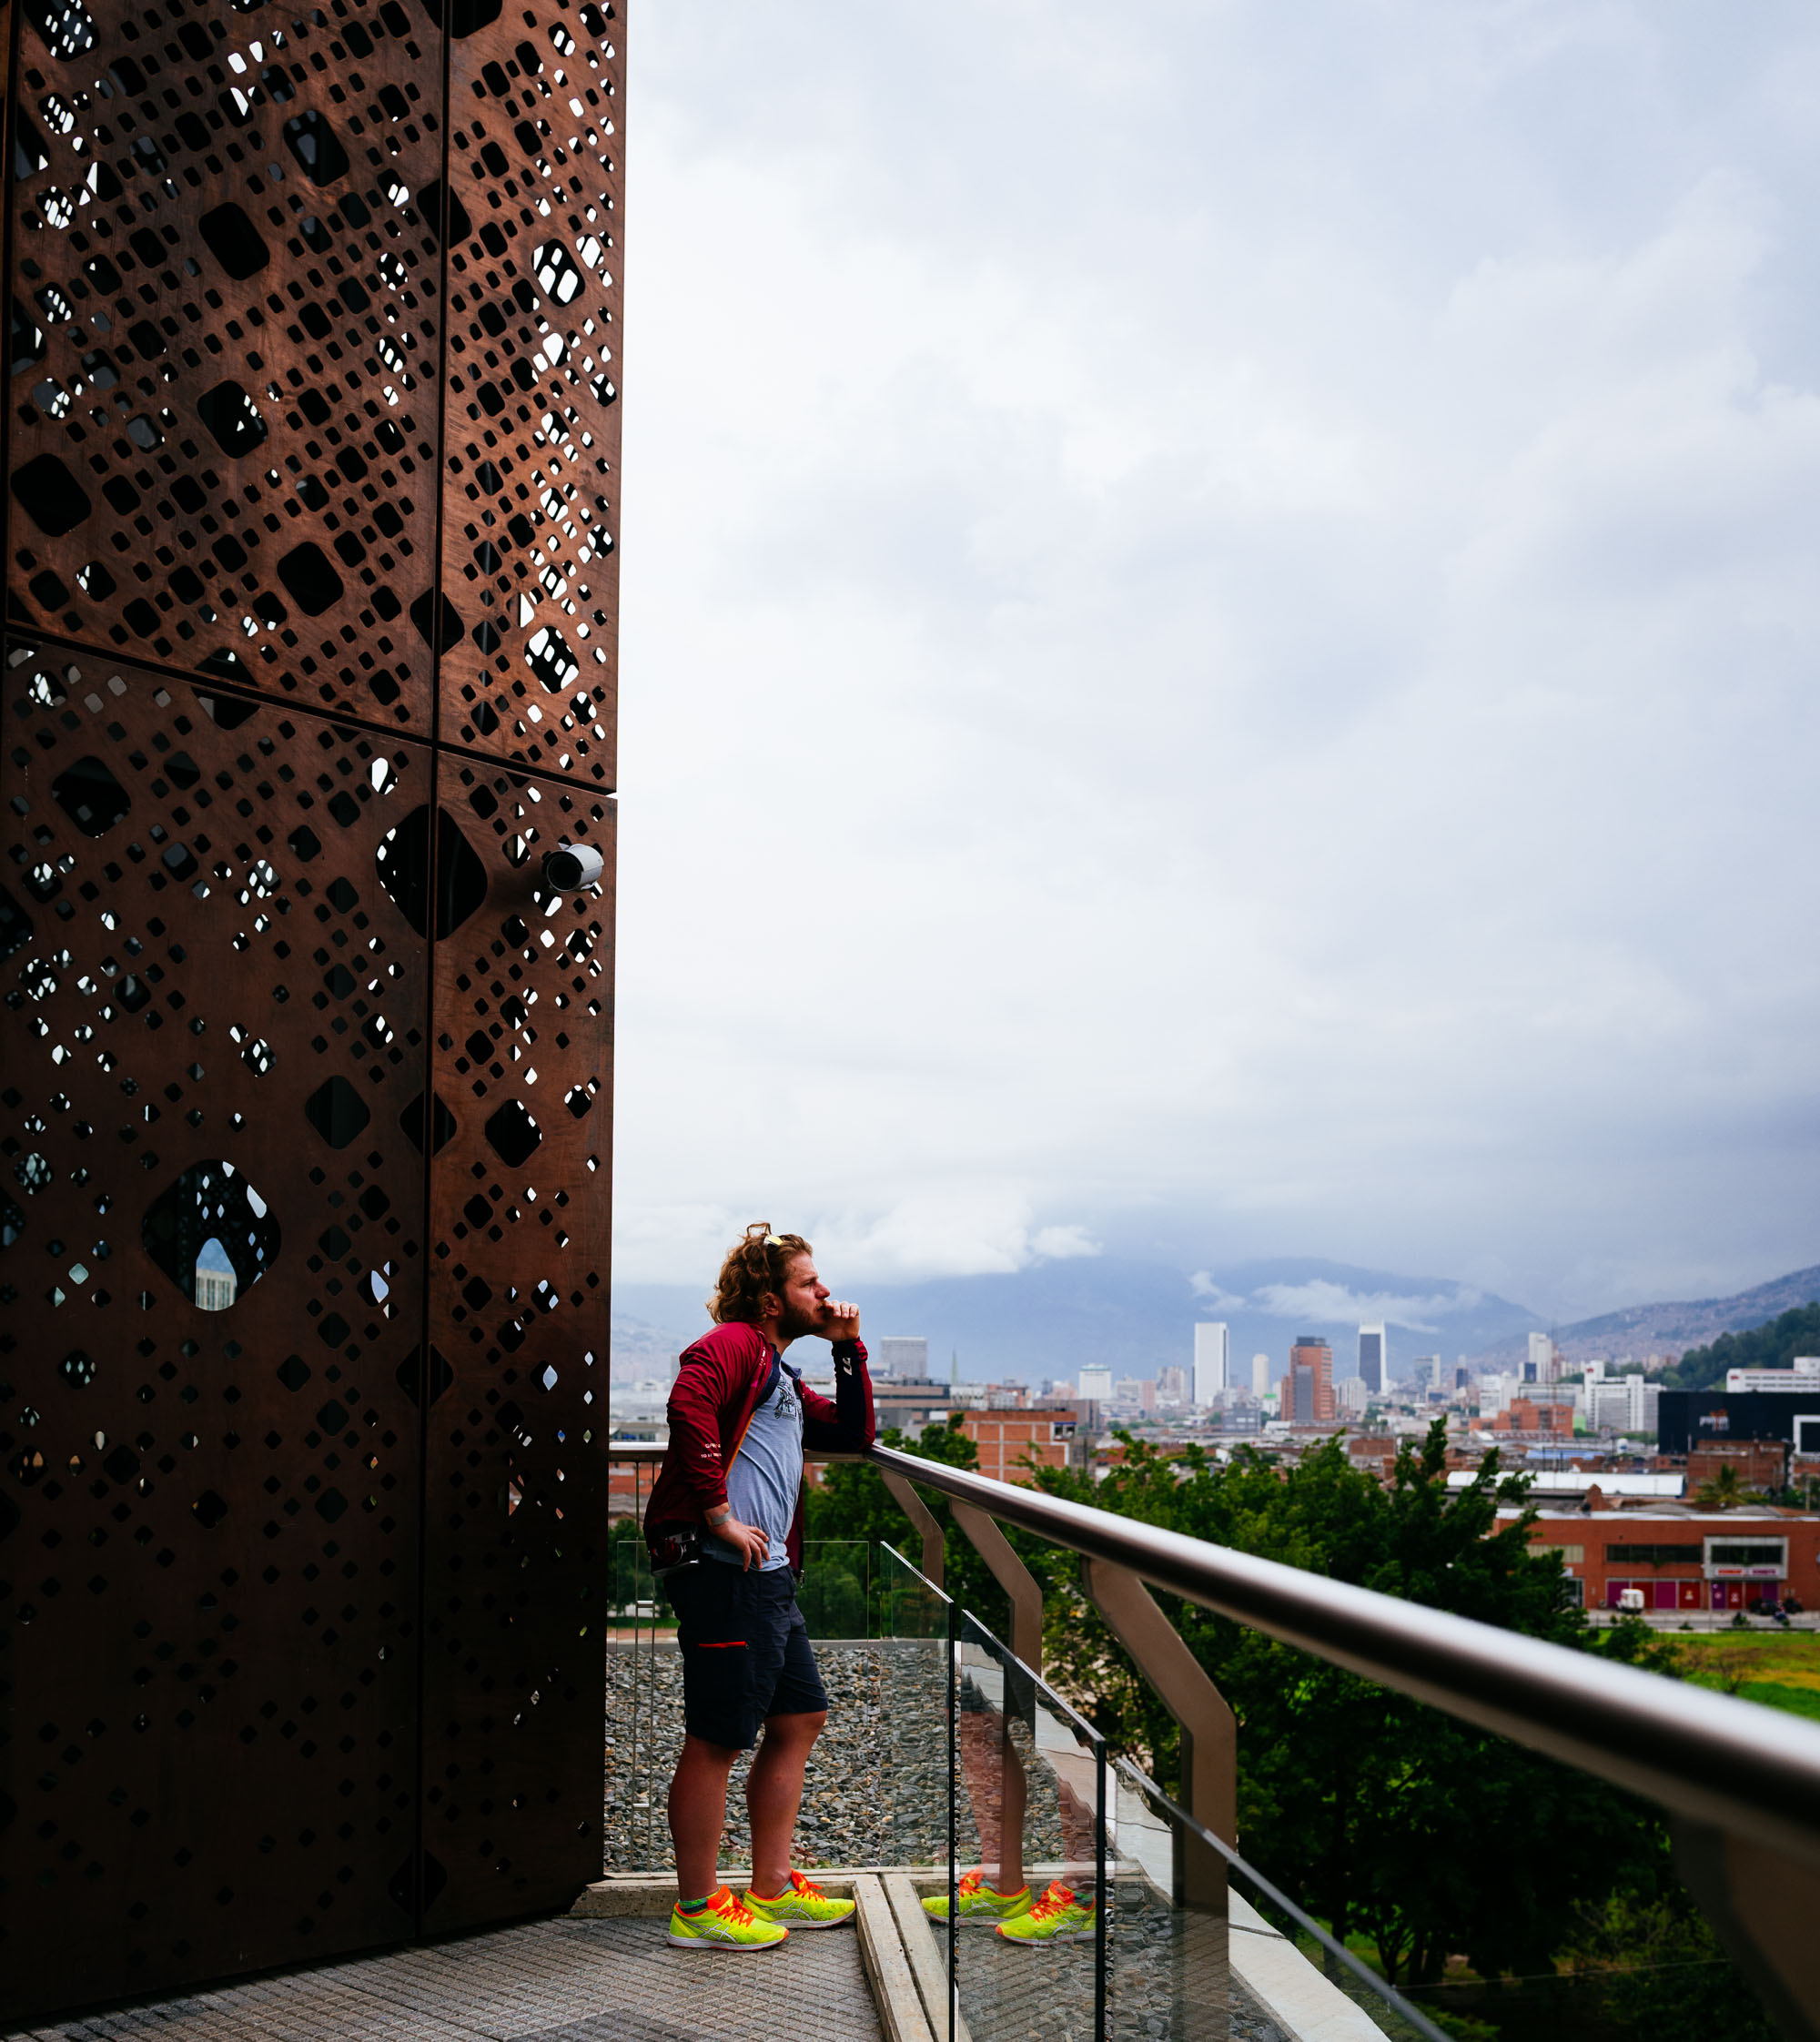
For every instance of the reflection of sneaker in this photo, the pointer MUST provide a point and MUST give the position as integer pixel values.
(723, 1925)
(801, 1904)
(1057, 1917)
(979, 1902)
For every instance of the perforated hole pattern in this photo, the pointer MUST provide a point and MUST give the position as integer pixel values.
(306, 1093)
(271, 297)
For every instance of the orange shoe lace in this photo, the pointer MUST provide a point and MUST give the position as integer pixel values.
(1056, 1896)
(971, 1881)
(806, 1886)
(728, 1903)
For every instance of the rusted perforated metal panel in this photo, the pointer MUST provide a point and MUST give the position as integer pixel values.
(225, 447)
(519, 1231)
(532, 424)
(213, 1554)
(300, 1655)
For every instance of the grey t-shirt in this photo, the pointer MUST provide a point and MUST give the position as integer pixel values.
(767, 1474)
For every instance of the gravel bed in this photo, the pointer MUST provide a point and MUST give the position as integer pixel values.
(876, 1788)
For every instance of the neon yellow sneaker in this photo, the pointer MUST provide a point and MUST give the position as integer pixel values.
(724, 1923)
(1057, 1917)
(979, 1902)
(801, 1904)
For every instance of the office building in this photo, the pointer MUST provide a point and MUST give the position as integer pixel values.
(1172, 1386)
(908, 1403)
(1543, 1364)
(899, 1354)
(1353, 1395)
(1260, 1376)
(1495, 1392)
(1372, 1356)
(1802, 1373)
(1307, 1392)
(1625, 1404)
(1095, 1385)
(1211, 1348)
(1689, 1418)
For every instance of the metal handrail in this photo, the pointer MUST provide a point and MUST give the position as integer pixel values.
(1708, 1757)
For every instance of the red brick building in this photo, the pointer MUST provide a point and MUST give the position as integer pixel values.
(1524, 1414)
(1759, 1464)
(1006, 1440)
(1683, 1559)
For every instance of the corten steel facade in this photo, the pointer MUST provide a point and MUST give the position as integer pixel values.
(312, 452)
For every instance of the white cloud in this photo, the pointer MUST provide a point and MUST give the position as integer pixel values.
(1252, 680)
(1062, 1244)
(1321, 1302)
(1203, 1285)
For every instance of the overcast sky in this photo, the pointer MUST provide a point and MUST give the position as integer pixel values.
(1221, 625)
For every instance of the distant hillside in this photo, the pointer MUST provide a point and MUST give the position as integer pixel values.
(1134, 1318)
(1671, 1328)
(642, 1352)
(1772, 1346)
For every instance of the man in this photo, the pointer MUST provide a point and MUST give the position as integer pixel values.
(725, 1529)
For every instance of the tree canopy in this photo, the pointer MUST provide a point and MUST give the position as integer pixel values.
(1374, 1809)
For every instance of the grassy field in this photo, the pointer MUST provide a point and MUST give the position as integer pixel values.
(1779, 1669)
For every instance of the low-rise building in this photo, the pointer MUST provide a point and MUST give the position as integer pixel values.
(1682, 1557)
(1802, 1374)
(1007, 1442)
(1758, 1463)
(1525, 1414)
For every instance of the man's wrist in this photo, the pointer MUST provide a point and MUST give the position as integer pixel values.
(719, 1514)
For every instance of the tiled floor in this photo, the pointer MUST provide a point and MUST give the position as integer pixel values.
(559, 1981)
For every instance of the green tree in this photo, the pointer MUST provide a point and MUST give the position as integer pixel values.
(1665, 1974)
(1773, 1345)
(1724, 1492)
(851, 1502)
(1386, 1817)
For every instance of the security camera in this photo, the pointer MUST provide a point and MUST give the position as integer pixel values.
(571, 867)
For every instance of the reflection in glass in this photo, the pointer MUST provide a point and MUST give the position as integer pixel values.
(1030, 1820)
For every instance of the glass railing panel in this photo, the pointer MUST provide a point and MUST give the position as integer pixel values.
(1030, 1818)
(1180, 1969)
(1169, 1974)
(835, 1593)
(912, 1618)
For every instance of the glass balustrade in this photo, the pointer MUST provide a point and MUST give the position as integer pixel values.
(1030, 1819)
(1201, 1947)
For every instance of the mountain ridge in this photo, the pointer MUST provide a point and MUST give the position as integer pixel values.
(1673, 1327)
(1053, 1319)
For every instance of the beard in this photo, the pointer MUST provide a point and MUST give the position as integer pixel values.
(794, 1325)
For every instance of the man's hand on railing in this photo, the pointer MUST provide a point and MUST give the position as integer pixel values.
(752, 1545)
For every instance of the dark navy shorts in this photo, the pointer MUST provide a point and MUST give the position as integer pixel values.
(745, 1651)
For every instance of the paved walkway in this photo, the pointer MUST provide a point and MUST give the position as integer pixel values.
(555, 1981)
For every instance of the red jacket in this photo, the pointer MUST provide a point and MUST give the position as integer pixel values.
(711, 1401)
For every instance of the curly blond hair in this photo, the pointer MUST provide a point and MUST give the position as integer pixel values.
(754, 1270)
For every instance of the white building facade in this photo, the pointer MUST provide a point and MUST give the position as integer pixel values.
(1212, 1352)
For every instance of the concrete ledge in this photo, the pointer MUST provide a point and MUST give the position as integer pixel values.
(1296, 1995)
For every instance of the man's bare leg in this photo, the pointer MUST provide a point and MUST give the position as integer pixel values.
(698, 1814)
(773, 1794)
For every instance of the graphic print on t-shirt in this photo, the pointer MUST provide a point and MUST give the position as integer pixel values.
(767, 1474)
